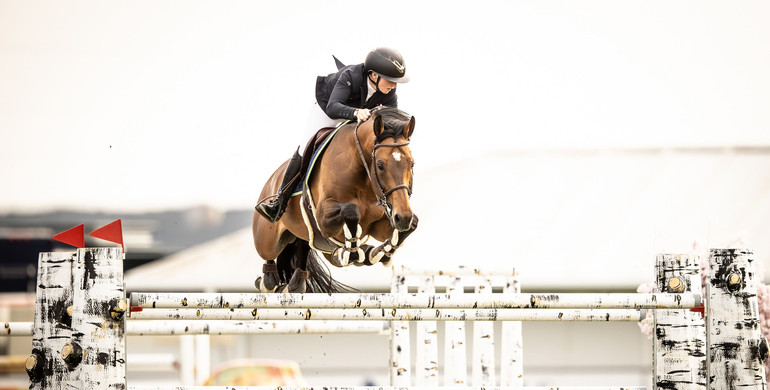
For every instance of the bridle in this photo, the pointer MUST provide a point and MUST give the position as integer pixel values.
(380, 193)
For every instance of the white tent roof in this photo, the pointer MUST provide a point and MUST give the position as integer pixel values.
(578, 219)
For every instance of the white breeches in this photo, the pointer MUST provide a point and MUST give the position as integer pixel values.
(316, 119)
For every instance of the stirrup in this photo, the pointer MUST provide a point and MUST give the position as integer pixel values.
(272, 210)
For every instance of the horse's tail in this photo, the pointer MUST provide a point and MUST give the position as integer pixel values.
(319, 279)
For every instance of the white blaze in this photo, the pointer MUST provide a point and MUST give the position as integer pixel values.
(397, 156)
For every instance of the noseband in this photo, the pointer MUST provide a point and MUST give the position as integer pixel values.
(381, 194)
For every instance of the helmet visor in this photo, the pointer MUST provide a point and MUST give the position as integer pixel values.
(404, 79)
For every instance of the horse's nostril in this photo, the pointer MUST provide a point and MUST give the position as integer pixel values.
(402, 222)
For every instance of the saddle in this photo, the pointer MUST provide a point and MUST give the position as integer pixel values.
(312, 152)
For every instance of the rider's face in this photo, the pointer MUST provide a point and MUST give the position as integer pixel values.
(385, 85)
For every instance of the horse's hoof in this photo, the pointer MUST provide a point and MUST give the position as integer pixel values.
(270, 279)
(376, 257)
(298, 281)
(270, 282)
(260, 284)
(387, 261)
(361, 256)
(298, 288)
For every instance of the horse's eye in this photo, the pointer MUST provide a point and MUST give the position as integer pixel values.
(380, 165)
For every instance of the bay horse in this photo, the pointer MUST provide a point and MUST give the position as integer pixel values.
(360, 188)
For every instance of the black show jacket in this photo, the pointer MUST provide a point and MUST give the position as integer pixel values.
(340, 94)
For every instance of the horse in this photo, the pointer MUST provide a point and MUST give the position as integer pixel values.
(360, 188)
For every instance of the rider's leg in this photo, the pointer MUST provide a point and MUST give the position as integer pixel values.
(273, 209)
(317, 119)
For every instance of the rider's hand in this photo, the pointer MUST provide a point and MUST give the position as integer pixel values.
(362, 114)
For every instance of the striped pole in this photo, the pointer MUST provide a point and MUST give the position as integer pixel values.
(455, 359)
(52, 328)
(512, 354)
(400, 359)
(379, 388)
(224, 327)
(483, 351)
(98, 321)
(426, 345)
(392, 314)
(415, 301)
(679, 336)
(736, 350)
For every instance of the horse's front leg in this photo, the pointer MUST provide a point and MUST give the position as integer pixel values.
(393, 239)
(342, 219)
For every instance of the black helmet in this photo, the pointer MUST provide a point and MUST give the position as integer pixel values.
(388, 63)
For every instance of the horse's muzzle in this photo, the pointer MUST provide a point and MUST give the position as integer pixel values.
(402, 221)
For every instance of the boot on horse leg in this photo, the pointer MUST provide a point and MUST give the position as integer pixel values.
(346, 216)
(273, 209)
(298, 282)
(270, 279)
(384, 253)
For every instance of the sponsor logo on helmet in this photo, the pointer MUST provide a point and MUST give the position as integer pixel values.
(399, 67)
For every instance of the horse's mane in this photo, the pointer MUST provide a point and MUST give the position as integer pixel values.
(394, 121)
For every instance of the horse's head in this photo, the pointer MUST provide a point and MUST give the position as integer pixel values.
(391, 164)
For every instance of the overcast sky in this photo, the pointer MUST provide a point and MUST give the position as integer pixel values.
(133, 106)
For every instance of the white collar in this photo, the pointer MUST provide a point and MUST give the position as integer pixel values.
(371, 90)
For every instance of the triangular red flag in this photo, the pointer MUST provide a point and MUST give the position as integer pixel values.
(75, 236)
(112, 232)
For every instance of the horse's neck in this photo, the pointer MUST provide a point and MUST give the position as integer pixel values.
(345, 147)
(365, 136)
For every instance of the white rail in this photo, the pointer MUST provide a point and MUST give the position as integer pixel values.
(416, 301)
(223, 327)
(392, 314)
(384, 388)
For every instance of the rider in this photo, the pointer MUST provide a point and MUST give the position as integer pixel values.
(350, 93)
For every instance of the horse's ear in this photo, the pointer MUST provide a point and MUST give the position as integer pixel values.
(378, 126)
(409, 128)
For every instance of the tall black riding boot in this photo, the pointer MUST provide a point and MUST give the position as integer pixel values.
(273, 209)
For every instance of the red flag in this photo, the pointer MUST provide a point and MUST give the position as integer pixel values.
(75, 236)
(112, 232)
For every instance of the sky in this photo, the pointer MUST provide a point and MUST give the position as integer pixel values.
(142, 106)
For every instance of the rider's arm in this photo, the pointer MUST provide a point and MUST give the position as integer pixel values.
(336, 107)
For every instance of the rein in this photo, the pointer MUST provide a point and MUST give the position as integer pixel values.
(382, 196)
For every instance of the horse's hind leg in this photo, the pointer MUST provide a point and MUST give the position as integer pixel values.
(270, 279)
(275, 273)
(298, 262)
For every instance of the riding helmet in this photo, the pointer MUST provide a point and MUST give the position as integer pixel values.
(388, 63)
